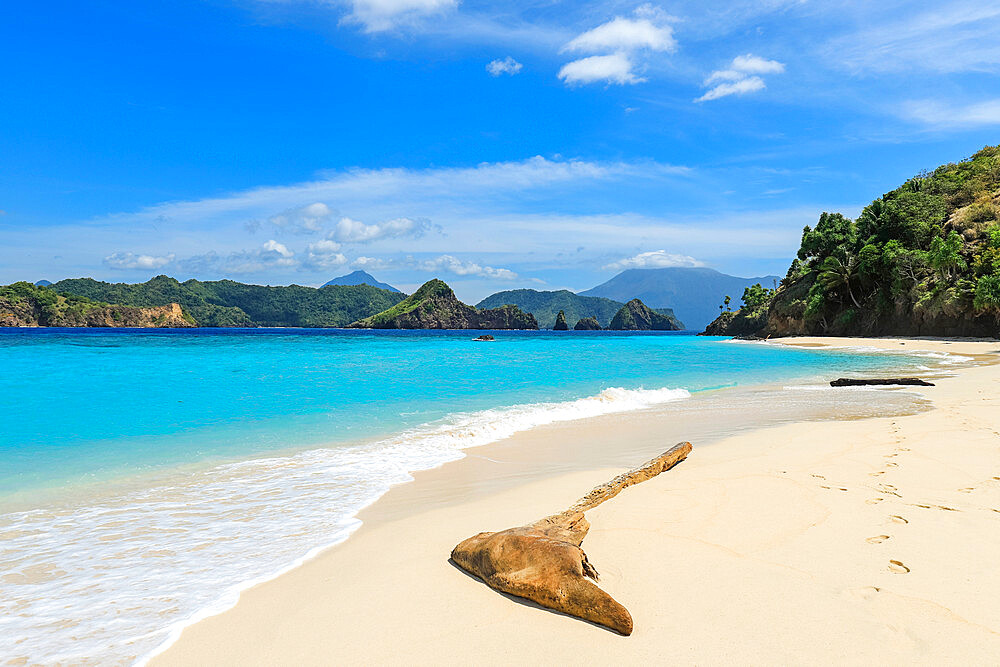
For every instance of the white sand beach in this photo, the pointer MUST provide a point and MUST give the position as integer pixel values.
(861, 541)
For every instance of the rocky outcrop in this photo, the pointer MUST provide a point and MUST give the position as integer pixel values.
(170, 316)
(560, 324)
(587, 324)
(880, 382)
(41, 307)
(637, 316)
(737, 324)
(544, 562)
(435, 306)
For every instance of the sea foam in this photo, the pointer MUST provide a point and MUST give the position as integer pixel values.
(115, 581)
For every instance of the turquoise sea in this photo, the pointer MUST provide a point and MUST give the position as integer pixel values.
(146, 477)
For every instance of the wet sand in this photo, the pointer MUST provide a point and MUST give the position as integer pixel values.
(849, 540)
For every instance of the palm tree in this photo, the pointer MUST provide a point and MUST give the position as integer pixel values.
(834, 274)
(946, 255)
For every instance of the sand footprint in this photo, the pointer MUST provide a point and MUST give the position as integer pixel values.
(889, 488)
(874, 501)
(935, 507)
(819, 476)
(876, 474)
(892, 465)
(878, 539)
(968, 489)
(898, 567)
(895, 518)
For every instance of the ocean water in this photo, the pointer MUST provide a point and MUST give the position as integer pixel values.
(147, 477)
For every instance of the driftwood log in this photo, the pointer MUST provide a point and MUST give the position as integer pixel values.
(543, 561)
(849, 382)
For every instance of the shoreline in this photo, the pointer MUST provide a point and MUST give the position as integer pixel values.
(182, 550)
(464, 480)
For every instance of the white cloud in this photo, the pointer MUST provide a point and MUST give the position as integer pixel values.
(942, 115)
(724, 75)
(741, 87)
(656, 259)
(324, 254)
(506, 66)
(353, 231)
(371, 263)
(740, 77)
(948, 37)
(381, 15)
(616, 44)
(383, 192)
(269, 256)
(304, 219)
(454, 265)
(127, 260)
(614, 68)
(751, 64)
(625, 34)
(486, 208)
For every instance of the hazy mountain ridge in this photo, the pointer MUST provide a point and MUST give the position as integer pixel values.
(546, 305)
(360, 278)
(694, 294)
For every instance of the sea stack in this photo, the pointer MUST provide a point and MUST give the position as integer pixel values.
(587, 324)
(560, 324)
(637, 316)
(435, 306)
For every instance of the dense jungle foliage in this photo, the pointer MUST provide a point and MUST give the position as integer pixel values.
(226, 303)
(921, 259)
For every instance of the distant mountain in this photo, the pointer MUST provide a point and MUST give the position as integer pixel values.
(43, 283)
(694, 294)
(360, 278)
(226, 303)
(546, 305)
(435, 306)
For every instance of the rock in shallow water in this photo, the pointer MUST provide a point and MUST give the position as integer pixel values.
(850, 382)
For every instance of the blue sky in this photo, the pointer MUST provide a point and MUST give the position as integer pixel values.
(544, 144)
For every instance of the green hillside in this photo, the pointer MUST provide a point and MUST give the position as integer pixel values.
(637, 316)
(435, 306)
(923, 259)
(25, 305)
(226, 303)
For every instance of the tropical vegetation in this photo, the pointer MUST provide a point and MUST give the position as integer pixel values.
(921, 259)
(226, 303)
(24, 304)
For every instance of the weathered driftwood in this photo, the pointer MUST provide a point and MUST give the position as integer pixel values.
(543, 561)
(849, 382)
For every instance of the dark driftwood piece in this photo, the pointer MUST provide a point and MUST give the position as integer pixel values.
(543, 561)
(849, 382)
